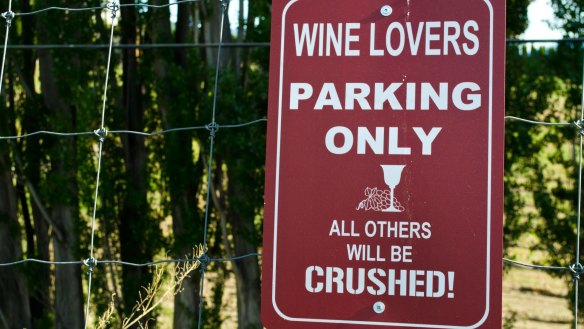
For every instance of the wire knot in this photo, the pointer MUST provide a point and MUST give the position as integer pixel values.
(580, 125)
(224, 4)
(90, 263)
(8, 16)
(114, 7)
(213, 127)
(577, 269)
(204, 262)
(101, 133)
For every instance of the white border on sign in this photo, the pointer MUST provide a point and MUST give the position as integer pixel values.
(489, 190)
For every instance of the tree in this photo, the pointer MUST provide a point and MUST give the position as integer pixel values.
(569, 13)
(517, 19)
(241, 162)
(175, 84)
(14, 308)
(62, 195)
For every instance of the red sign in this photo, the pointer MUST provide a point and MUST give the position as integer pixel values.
(384, 164)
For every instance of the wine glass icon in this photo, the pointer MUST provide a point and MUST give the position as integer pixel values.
(392, 176)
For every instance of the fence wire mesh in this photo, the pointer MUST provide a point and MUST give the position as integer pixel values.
(101, 133)
(213, 127)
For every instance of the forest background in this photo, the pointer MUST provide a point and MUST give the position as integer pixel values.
(152, 189)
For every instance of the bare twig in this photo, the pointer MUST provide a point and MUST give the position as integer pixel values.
(105, 319)
(155, 293)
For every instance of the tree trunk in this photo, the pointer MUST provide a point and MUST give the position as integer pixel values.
(246, 270)
(40, 296)
(238, 63)
(211, 21)
(33, 118)
(68, 290)
(180, 36)
(14, 307)
(247, 273)
(184, 176)
(64, 203)
(136, 226)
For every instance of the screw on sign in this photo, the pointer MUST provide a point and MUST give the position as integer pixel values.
(384, 164)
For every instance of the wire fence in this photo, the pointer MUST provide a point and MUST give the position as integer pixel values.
(576, 269)
(102, 133)
(246, 44)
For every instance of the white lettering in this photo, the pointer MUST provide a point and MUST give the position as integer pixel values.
(357, 92)
(427, 139)
(386, 95)
(328, 97)
(439, 99)
(377, 282)
(372, 50)
(334, 39)
(414, 41)
(335, 229)
(308, 279)
(474, 99)
(402, 282)
(471, 50)
(451, 39)
(430, 36)
(340, 140)
(347, 140)
(431, 276)
(393, 147)
(360, 281)
(401, 39)
(415, 283)
(305, 37)
(299, 91)
(351, 38)
(334, 275)
(372, 275)
(464, 96)
(364, 137)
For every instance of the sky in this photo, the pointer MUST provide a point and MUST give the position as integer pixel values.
(540, 13)
(234, 14)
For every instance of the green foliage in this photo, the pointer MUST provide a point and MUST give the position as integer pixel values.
(517, 19)
(541, 168)
(569, 12)
(528, 92)
(509, 320)
(213, 315)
